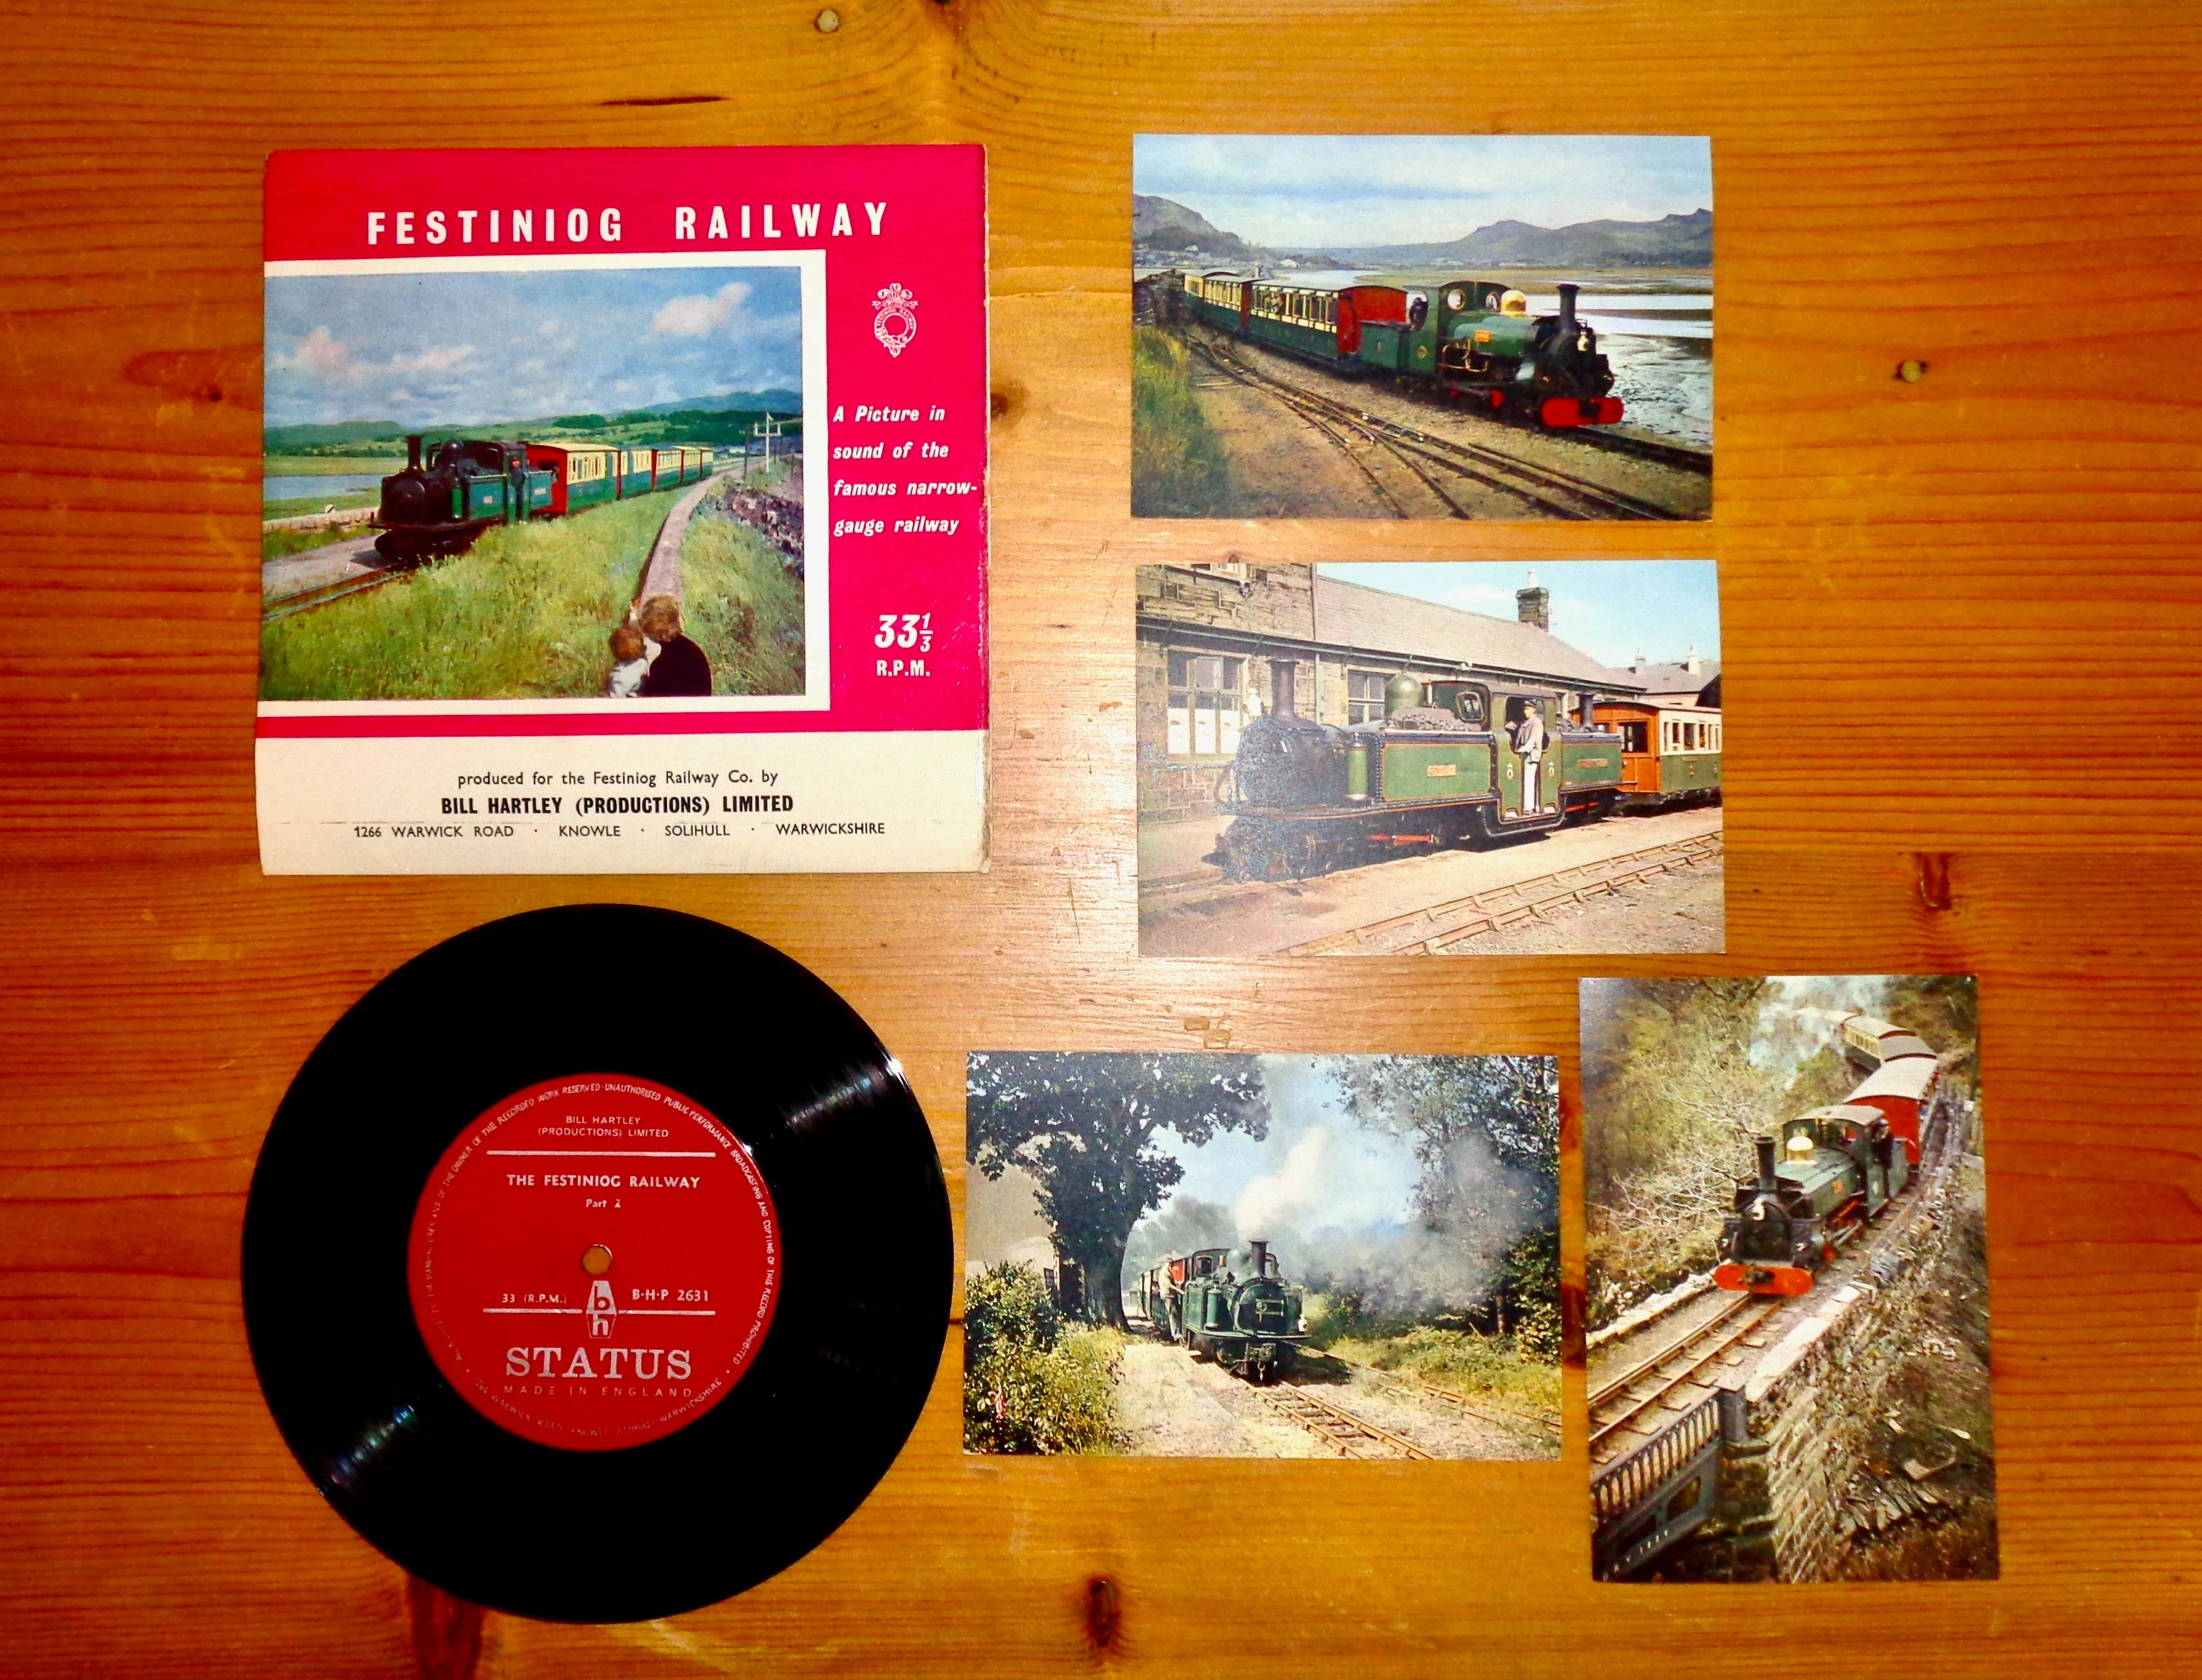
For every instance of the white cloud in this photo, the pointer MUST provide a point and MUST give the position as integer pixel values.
(696, 315)
(321, 352)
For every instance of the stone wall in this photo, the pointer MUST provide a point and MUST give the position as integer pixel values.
(1811, 1401)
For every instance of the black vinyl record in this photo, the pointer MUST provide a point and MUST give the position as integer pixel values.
(742, 1160)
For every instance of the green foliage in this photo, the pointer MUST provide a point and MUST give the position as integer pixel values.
(1503, 1367)
(742, 606)
(1030, 1386)
(1179, 464)
(524, 614)
(1825, 1076)
(1672, 1098)
(1510, 1104)
(1082, 1125)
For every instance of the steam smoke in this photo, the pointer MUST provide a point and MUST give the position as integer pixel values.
(1411, 1266)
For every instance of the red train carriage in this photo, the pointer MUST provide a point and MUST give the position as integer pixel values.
(1900, 1089)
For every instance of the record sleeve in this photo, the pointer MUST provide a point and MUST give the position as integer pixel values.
(598, 1302)
(624, 511)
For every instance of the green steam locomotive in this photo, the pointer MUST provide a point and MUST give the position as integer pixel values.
(1251, 1326)
(1460, 761)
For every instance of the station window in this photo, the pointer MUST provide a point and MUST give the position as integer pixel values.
(1364, 697)
(1206, 706)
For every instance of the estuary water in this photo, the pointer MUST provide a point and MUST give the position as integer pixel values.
(328, 486)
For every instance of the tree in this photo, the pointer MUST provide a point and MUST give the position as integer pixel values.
(1083, 1125)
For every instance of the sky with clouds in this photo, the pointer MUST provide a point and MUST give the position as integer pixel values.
(1612, 610)
(1317, 1167)
(1295, 190)
(443, 348)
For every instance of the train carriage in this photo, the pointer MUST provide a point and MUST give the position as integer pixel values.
(1900, 1089)
(1670, 754)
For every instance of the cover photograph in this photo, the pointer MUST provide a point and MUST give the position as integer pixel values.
(624, 511)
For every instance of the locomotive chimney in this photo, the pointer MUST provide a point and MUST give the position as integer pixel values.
(1568, 309)
(1261, 1259)
(413, 451)
(1766, 1179)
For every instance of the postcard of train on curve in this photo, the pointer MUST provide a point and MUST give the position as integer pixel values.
(1787, 1268)
(624, 511)
(1423, 327)
(1286, 1257)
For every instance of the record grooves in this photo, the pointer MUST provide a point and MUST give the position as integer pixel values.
(631, 1381)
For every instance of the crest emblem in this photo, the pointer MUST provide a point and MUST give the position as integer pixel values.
(895, 322)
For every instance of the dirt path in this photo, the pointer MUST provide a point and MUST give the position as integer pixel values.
(661, 573)
(1173, 1405)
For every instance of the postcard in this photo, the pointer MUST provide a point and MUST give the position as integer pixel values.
(1788, 1281)
(1262, 1256)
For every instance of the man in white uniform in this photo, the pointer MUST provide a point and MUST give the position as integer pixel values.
(1529, 742)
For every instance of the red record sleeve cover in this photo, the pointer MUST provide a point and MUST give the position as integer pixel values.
(624, 511)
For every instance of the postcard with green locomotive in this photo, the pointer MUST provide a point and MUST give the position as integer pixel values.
(1787, 1285)
(526, 453)
(1204, 1255)
(1422, 327)
(1447, 758)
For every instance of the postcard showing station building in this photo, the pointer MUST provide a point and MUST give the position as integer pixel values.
(1444, 758)
(1787, 1285)
(1286, 1257)
(1423, 327)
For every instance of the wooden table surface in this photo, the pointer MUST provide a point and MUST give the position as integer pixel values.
(1962, 619)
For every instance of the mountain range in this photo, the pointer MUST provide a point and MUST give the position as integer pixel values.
(1165, 232)
(307, 439)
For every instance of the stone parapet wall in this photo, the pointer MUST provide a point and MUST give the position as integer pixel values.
(1812, 1398)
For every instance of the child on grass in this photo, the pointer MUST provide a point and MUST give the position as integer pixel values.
(629, 666)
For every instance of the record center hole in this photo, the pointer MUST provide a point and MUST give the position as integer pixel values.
(596, 1259)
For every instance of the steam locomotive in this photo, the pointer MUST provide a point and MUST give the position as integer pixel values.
(1441, 767)
(1465, 338)
(1251, 1327)
(1831, 1170)
(441, 505)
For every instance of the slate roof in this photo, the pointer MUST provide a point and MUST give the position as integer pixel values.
(1352, 615)
(1673, 679)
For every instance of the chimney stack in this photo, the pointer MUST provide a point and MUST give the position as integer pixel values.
(1533, 605)
(1691, 663)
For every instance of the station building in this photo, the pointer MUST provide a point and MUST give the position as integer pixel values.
(1221, 642)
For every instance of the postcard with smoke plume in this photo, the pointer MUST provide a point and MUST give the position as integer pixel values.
(1273, 1257)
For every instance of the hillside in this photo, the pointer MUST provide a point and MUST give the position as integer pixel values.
(720, 419)
(1164, 232)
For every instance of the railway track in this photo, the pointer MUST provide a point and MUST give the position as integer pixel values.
(1648, 1379)
(1354, 1437)
(1432, 460)
(1680, 456)
(343, 589)
(1443, 928)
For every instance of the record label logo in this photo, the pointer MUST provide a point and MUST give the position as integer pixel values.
(594, 1262)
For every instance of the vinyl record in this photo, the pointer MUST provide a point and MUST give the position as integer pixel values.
(598, 1263)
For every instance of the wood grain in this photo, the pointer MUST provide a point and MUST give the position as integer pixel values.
(1963, 617)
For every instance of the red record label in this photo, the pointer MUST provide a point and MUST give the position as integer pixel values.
(594, 1262)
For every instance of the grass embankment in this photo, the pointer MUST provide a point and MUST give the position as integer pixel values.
(1179, 464)
(1498, 1367)
(1032, 1382)
(522, 615)
(742, 606)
